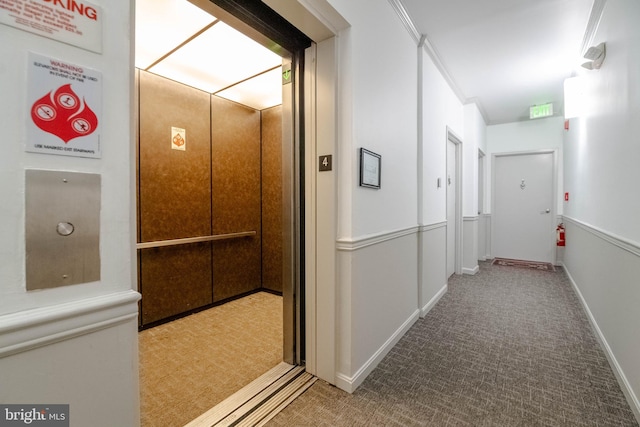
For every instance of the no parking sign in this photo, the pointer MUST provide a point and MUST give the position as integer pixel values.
(65, 103)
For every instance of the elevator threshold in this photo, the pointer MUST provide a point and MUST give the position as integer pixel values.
(260, 401)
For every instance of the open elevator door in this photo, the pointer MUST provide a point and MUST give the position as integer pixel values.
(259, 22)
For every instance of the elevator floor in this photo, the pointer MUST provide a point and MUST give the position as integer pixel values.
(191, 364)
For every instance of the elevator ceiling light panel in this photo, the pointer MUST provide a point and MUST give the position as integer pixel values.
(258, 92)
(216, 59)
(176, 39)
(162, 25)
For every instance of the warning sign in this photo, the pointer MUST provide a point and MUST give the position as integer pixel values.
(65, 103)
(178, 139)
(75, 22)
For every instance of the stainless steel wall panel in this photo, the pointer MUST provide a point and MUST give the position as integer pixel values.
(62, 228)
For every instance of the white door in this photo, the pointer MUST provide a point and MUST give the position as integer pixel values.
(523, 211)
(450, 185)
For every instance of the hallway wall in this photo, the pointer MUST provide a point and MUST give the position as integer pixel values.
(391, 247)
(73, 344)
(602, 175)
(475, 139)
(377, 99)
(441, 110)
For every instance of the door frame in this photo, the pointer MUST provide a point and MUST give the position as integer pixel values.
(264, 25)
(554, 190)
(457, 141)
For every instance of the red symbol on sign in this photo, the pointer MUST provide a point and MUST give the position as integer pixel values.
(63, 114)
(178, 140)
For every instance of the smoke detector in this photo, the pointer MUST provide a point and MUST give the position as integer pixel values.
(596, 55)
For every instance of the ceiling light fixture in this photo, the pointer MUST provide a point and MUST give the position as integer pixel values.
(596, 55)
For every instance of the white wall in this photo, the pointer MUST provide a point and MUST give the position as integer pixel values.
(49, 343)
(391, 242)
(601, 155)
(377, 261)
(380, 81)
(441, 110)
(474, 140)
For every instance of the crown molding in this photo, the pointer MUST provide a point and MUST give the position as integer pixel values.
(424, 43)
(592, 26)
(406, 19)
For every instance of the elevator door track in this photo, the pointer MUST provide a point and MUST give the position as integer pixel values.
(259, 401)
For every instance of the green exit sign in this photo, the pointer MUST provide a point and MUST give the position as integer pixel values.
(539, 111)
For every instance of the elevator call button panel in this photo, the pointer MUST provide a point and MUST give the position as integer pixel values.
(62, 228)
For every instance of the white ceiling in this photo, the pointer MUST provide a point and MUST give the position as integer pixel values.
(505, 55)
(178, 40)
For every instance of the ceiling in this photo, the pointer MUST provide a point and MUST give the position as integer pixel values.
(180, 41)
(505, 55)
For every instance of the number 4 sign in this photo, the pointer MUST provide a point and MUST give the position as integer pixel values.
(325, 163)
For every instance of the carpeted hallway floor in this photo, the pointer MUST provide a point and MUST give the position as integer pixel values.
(509, 346)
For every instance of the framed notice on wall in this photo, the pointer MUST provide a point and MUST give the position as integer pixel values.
(370, 164)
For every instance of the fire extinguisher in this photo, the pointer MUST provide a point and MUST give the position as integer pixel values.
(560, 235)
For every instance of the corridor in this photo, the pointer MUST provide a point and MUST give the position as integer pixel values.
(510, 346)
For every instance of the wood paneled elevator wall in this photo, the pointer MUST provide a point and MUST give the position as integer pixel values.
(228, 179)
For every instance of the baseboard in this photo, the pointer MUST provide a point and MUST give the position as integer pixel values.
(350, 384)
(632, 399)
(471, 271)
(433, 301)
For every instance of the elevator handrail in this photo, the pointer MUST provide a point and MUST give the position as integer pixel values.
(187, 240)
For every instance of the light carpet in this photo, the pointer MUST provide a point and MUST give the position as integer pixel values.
(191, 364)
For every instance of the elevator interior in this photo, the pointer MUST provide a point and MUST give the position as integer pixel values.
(210, 162)
(221, 185)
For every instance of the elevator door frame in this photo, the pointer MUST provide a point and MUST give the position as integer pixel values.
(258, 21)
(293, 214)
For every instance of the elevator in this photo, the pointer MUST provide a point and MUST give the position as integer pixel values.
(220, 194)
(210, 199)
